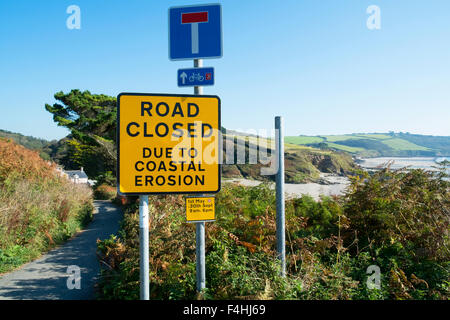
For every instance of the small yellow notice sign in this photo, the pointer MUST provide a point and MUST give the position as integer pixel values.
(168, 143)
(200, 209)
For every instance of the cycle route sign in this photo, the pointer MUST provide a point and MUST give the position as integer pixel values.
(195, 32)
(195, 77)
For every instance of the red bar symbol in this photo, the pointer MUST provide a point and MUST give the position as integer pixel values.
(194, 17)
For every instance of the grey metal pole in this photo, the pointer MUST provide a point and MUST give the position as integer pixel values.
(200, 226)
(279, 145)
(200, 256)
(198, 63)
(143, 248)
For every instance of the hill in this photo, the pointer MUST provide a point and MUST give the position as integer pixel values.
(302, 163)
(55, 150)
(379, 144)
(29, 142)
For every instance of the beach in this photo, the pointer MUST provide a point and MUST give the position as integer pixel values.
(428, 163)
(335, 186)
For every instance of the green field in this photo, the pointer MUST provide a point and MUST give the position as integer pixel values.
(368, 144)
(345, 148)
(400, 144)
(375, 136)
(303, 140)
(290, 144)
(378, 144)
(341, 138)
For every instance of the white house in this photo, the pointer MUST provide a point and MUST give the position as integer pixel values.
(77, 176)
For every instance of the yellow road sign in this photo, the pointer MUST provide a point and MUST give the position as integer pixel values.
(168, 143)
(200, 209)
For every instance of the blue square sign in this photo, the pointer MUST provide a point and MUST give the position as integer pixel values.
(195, 32)
(192, 77)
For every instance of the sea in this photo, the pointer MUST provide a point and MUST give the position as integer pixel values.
(427, 163)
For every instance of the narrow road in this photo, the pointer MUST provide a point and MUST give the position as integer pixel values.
(47, 277)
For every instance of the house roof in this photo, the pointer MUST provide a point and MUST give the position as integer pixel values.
(79, 173)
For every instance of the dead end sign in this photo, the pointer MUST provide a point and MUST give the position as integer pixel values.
(168, 143)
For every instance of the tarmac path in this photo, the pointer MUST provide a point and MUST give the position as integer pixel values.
(48, 277)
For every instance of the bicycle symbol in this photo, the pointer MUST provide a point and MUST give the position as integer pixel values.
(196, 76)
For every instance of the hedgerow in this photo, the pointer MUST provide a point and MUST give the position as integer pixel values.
(38, 208)
(396, 220)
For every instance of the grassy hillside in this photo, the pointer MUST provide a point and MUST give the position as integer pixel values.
(29, 142)
(379, 144)
(55, 150)
(302, 163)
(38, 209)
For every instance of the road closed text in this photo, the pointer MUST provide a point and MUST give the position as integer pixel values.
(162, 129)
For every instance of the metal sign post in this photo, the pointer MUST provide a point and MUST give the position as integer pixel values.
(200, 226)
(143, 248)
(279, 146)
(195, 32)
(137, 163)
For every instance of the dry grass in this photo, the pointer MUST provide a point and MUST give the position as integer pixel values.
(105, 192)
(38, 208)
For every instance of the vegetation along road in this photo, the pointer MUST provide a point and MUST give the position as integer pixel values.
(48, 277)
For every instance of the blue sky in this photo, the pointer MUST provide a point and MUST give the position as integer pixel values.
(313, 62)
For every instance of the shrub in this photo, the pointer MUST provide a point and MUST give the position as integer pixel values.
(397, 220)
(402, 219)
(105, 192)
(106, 178)
(38, 208)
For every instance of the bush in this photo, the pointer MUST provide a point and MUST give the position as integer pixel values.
(397, 220)
(402, 219)
(38, 208)
(105, 192)
(106, 178)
